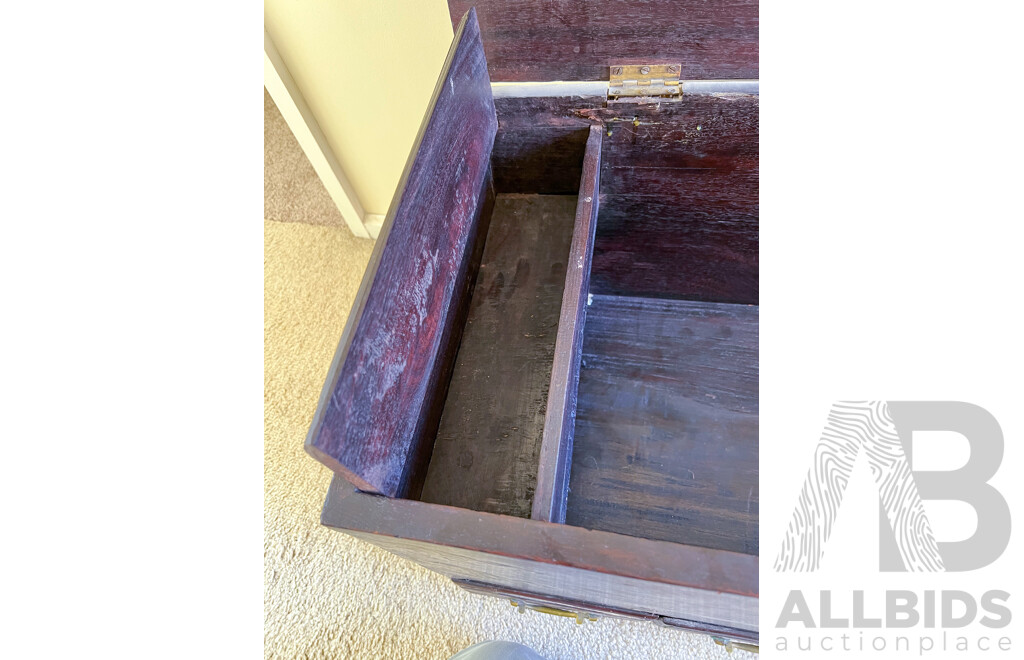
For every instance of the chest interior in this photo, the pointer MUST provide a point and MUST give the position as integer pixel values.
(560, 318)
(664, 438)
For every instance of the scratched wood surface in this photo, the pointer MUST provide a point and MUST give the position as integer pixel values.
(487, 450)
(666, 442)
(381, 403)
(526, 40)
(556, 448)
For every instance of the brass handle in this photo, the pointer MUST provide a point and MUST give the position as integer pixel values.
(544, 609)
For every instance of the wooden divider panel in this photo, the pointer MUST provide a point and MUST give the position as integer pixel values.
(556, 448)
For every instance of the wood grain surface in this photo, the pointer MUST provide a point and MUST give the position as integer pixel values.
(527, 40)
(679, 200)
(556, 448)
(382, 399)
(614, 592)
(599, 551)
(578, 559)
(647, 247)
(666, 441)
(540, 144)
(679, 190)
(487, 449)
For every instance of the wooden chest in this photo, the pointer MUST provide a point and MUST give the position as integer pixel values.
(548, 385)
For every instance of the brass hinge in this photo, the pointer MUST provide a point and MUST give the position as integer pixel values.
(639, 83)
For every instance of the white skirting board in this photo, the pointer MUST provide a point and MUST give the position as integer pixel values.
(373, 223)
(304, 126)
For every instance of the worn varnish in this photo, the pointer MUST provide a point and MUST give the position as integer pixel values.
(527, 40)
(666, 443)
(382, 400)
(488, 444)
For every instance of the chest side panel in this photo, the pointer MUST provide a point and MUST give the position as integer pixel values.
(613, 591)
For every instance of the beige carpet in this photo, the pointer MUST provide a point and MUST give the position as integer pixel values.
(292, 192)
(327, 595)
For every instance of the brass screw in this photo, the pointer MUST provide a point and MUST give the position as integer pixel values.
(645, 70)
(616, 70)
(673, 68)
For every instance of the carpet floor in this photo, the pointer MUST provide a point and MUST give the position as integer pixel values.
(328, 595)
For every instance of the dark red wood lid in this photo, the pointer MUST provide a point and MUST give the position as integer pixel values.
(379, 409)
(535, 40)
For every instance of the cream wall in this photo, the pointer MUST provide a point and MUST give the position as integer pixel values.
(366, 70)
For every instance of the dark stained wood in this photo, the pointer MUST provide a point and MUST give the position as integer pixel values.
(667, 134)
(382, 399)
(488, 444)
(679, 206)
(556, 448)
(574, 549)
(666, 442)
(540, 145)
(649, 248)
(524, 113)
(543, 160)
(528, 40)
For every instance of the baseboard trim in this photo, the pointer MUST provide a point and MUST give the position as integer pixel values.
(307, 132)
(373, 222)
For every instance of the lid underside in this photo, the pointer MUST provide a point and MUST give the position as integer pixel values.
(528, 41)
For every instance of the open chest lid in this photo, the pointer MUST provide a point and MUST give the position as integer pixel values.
(384, 395)
(574, 40)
